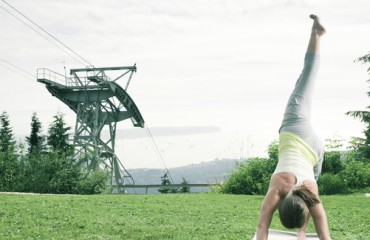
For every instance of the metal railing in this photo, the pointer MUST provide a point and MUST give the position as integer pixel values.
(170, 186)
(44, 73)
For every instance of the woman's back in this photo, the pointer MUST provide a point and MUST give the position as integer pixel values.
(282, 183)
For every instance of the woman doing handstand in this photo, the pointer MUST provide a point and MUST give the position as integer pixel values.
(293, 189)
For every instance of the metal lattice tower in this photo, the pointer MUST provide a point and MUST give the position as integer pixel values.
(100, 103)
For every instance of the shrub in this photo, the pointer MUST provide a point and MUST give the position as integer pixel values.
(184, 189)
(332, 162)
(66, 174)
(93, 182)
(356, 174)
(251, 177)
(165, 179)
(54, 173)
(9, 172)
(331, 184)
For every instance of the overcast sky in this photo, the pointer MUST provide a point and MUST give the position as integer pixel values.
(213, 76)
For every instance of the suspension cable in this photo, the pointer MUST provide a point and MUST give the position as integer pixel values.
(158, 152)
(46, 32)
(17, 69)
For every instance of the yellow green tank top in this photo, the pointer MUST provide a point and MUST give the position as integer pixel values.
(296, 157)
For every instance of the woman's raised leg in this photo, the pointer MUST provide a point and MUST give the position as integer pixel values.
(298, 109)
(317, 32)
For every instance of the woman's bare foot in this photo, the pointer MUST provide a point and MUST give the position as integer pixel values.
(317, 27)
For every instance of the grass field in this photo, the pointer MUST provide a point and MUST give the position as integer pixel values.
(168, 216)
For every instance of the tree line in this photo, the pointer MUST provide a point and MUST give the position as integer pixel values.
(46, 163)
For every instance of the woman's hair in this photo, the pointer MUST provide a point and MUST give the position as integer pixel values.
(292, 209)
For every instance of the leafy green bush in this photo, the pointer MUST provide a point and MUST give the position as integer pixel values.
(93, 182)
(51, 173)
(331, 184)
(251, 177)
(356, 174)
(165, 180)
(184, 189)
(332, 162)
(9, 172)
(66, 176)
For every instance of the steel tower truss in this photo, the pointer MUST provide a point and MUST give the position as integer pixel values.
(99, 103)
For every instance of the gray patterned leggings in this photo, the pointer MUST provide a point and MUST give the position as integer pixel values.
(297, 116)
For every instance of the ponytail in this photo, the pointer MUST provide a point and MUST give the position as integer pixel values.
(307, 196)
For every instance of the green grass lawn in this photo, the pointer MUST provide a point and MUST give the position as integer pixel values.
(168, 216)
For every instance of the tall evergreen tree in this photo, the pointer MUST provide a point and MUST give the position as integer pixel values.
(57, 137)
(35, 140)
(7, 141)
(362, 145)
(9, 164)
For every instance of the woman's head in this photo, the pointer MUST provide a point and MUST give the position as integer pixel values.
(293, 209)
(293, 212)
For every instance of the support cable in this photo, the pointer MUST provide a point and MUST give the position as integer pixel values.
(158, 152)
(17, 69)
(46, 32)
(47, 39)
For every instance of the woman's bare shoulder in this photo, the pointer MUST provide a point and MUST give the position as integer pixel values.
(282, 183)
(311, 185)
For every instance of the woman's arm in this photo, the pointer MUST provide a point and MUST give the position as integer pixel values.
(318, 214)
(320, 221)
(303, 230)
(269, 205)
